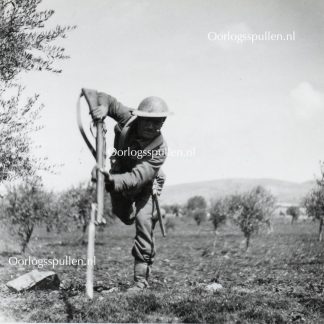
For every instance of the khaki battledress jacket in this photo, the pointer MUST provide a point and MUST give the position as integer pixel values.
(133, 173)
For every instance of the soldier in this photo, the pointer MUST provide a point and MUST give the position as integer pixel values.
(136, 174)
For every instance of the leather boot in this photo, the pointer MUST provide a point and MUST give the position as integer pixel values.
(141, 274)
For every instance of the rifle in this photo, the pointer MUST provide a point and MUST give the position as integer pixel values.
(99, 153)
(156, 201)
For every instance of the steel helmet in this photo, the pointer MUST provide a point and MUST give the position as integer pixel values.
(152, 107)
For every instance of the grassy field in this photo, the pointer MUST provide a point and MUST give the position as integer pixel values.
(279, 280)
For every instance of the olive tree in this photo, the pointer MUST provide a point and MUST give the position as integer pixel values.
(314, 203)
(294, 212)
(76, 202)
(197, 209)
(251, 210)
(219, 212)
(199, 215)
(196, 202)
(25, 42)
(25, 206)
(25, 45)
(17, 121)
(174, 209)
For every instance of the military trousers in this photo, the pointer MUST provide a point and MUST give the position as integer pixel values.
(138, 209)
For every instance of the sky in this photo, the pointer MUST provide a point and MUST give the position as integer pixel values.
(241, 109)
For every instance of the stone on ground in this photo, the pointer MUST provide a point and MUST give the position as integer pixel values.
(214, 287)
(35, 280)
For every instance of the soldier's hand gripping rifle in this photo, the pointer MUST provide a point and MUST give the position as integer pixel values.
(99, 154)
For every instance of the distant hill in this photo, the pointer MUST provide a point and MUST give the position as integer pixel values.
(284, 191)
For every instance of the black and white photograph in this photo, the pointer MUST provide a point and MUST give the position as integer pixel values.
(162, 161)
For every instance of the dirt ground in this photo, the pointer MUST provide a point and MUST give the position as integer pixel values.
(279, 280)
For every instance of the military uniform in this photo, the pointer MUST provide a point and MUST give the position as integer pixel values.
(132, 177)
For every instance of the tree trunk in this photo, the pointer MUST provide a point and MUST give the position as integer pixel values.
(84, 231)
(23, 246)
(320, 232)
(27, 239)
(214, 243)
(247, 242)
